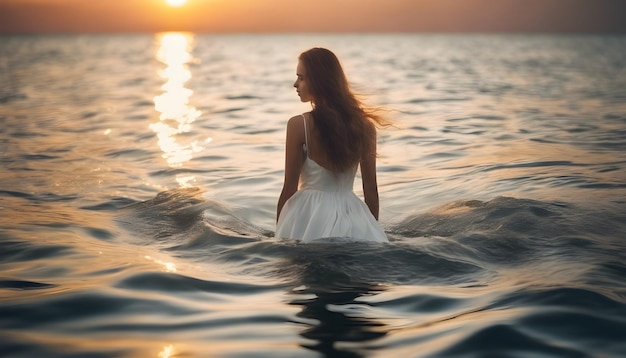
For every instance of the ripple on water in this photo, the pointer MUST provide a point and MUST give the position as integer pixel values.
(24, 285)
(502, 339)
(81, 308)
(16, 251)
(174, 283)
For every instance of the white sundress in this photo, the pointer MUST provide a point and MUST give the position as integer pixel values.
(326, 207)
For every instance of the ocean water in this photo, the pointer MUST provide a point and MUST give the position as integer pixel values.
(140, 173)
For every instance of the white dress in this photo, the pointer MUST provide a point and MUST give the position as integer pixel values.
(325, 208)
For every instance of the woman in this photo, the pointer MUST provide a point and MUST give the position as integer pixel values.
(324, 147)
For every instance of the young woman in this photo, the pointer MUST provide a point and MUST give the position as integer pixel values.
(324, 147)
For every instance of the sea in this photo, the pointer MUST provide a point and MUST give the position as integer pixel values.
(139, 176)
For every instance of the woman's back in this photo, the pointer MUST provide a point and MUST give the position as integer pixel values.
(315, 173)
(325, 205)
(316, 150)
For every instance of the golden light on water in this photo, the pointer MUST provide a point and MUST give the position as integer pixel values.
(167, 351)
(176, 114)
(167, 266)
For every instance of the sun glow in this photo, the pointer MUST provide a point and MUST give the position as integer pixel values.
(176, 3)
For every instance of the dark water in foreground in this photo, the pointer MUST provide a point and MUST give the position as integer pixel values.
(140, 176)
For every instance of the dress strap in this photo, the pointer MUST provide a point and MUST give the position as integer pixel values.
(306, 136)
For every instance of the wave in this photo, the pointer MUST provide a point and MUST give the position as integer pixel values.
(463, 242)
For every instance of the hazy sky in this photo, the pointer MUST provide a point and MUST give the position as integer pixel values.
(32, 16)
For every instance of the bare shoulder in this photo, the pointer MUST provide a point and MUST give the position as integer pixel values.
(296, 123)
(294, 120)
(295, 129)
(298, 117)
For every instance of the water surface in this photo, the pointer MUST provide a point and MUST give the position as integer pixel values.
(140, 176)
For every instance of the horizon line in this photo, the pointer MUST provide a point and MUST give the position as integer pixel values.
(320, 32)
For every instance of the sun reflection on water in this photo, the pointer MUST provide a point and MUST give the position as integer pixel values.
(167, 266)
(167, 351)
(176, 114)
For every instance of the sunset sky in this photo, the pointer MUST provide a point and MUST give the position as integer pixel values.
(244, 16)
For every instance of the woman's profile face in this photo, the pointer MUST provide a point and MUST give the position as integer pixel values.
(301, 84)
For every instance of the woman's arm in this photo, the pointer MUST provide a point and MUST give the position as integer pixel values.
(370, 185)
(294, 160)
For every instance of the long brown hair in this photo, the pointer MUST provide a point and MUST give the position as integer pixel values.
(346, 129)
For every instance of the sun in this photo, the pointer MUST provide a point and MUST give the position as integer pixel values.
(176, 3)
